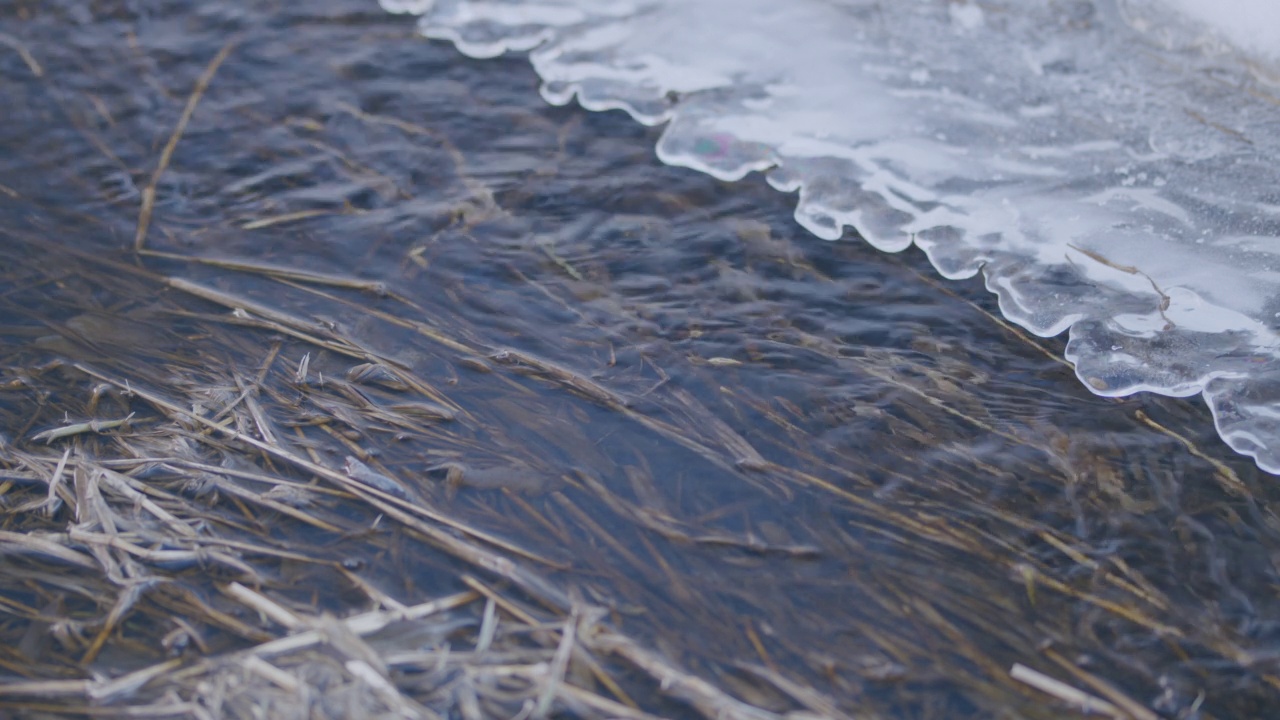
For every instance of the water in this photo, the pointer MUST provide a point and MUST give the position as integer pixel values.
(897, 496)
(1110, 168)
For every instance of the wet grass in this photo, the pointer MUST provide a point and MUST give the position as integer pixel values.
(368, 401)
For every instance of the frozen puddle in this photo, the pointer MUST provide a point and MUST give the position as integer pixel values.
(1110, 167)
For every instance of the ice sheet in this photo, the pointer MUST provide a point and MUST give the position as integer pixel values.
(1111, 167)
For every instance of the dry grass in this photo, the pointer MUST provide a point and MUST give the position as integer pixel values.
(232, 487)
(155, 526)
(175, 502)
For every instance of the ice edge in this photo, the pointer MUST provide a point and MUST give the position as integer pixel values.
(1225, 393)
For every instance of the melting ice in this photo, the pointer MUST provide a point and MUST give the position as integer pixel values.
(1110, 167)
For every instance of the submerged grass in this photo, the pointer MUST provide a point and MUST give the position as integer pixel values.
(156, 499)
(159, 519)
(502, 471)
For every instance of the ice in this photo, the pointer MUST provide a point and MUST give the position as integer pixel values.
(1112, 168)
(1254, 25)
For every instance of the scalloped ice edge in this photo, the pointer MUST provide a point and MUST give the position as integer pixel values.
(1126, 334)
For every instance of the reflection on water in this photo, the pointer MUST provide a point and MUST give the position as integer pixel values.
(755, 449)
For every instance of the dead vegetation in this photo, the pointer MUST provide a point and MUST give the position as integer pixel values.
(236, 484)
(171, 523)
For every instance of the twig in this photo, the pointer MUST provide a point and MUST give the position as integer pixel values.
(22, 51)
(166, 155)
(96, 426)
(1064, 692)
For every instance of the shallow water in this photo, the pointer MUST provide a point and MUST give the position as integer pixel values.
(852, 472)
(1107, 167)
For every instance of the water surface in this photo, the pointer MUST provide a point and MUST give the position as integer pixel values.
(752, 447)
(1107, 167)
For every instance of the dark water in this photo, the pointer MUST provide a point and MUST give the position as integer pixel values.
(860, 475)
